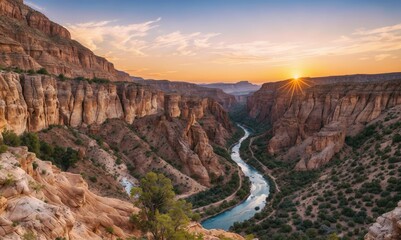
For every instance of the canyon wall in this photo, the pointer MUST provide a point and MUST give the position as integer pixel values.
(315, 121)
(33, 103)
(29, 40)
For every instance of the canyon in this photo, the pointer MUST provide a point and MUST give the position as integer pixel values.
(314, 122)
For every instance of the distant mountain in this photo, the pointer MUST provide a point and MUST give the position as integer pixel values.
(239, 88)
(189, 89)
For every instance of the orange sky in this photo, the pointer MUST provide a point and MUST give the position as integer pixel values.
(229, 41)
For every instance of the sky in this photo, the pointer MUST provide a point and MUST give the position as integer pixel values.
(231, 40)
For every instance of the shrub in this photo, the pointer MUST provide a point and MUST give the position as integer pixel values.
(396, 138)
(42, 71)
(3, 148)
(11, 139)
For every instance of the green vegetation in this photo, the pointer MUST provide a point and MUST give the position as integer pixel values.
(42, 71)
(62, 157)
(340, 200)
(163, 216)
(239, 114)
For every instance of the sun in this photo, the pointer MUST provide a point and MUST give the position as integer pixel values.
(295, 86)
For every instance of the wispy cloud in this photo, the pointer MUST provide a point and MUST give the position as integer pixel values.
(378, 41)
(34, 6)
(184, 44)
(122, 37)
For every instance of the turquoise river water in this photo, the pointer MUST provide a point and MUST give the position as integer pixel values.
(255, 202)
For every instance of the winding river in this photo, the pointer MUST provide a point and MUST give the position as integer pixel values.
(255, 202)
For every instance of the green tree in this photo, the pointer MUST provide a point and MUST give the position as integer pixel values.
(11, 139)
(43, 71)
(31, 140)
(161, 215)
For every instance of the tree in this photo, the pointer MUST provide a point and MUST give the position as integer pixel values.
(42, 71)
(11, 139)
(161, 215)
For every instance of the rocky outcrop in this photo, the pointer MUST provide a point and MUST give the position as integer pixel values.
(387, 226)
(184, 135)
(318, 118)
(33, 103)
(29, 40)
(192, 125)
(38, 200)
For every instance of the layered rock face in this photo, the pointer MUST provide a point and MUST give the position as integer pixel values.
(39, 200)
(317, 119)
(184, 135)
(387, 226)
(33, 103)
(29, 40)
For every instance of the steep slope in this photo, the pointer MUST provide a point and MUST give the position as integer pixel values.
(191, 126)
(29, 40)
(38, 201)
(34, 102)
(345, 196)
(314, 122)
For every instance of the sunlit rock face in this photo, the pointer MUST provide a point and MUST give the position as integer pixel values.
(387, 226)
(33, 103)
(317, 118)
(29, 40)
(48, 203)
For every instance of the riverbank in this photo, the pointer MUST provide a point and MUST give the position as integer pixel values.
(256, 201)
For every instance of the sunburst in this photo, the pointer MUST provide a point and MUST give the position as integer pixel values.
(295, 85)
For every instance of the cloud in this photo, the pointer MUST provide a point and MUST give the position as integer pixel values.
(184, 44)
(128, 38)
(34, 6)
(378, 41)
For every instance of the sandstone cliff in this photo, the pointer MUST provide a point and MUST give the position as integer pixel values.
(315, 121)
(33, 103)
(29, 40)
(387, 226)
(191, 125)
(38, 201)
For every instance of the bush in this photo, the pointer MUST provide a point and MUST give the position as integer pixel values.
(42, 71)
(396, 138)
(11, 139)
(3, 148)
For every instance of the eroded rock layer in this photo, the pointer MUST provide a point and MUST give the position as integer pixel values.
(315, 120)
(29, 40)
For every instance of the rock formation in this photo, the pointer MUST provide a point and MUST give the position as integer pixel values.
(33, 103)
(39, 200)
(317, 119)
(387, 226)
(29, 40)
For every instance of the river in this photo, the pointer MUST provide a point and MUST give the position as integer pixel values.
(256, 201)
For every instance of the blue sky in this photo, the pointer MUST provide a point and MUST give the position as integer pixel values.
(259, 40)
